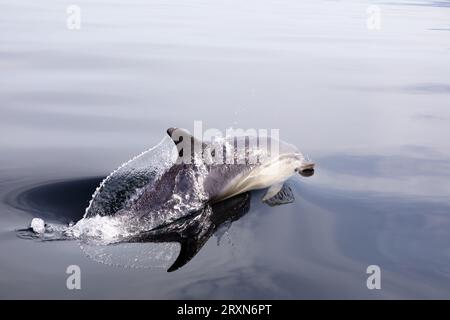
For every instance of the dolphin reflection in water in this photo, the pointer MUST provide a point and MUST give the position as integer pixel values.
(193, 231)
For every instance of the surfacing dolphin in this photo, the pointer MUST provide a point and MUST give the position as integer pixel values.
(223, 187)
(189, 182)
(169, 199)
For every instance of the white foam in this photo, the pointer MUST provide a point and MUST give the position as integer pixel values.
(38, 225)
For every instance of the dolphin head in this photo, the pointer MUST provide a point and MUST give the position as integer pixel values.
(303, 165)
(295, 160)
(288, 164)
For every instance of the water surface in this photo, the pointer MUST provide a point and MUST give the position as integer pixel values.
(371, 107)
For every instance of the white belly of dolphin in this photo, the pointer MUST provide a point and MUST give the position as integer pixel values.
(260, 177)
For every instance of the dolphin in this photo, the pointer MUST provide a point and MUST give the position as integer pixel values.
(187, 197)
(223, 187)
(197, 177)
(188, 185)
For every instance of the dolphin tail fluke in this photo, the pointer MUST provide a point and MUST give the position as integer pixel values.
(189, 248)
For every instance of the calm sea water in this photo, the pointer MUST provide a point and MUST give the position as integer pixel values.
(371, 107)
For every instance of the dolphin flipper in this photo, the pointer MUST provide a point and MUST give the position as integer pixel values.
(272, 191)
(278, 195)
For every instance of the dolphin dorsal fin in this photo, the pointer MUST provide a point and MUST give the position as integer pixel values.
(183, 139)
(178, 135)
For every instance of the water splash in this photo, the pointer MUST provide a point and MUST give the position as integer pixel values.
(111, 220)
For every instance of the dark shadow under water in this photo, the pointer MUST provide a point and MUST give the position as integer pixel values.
(62, 201)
